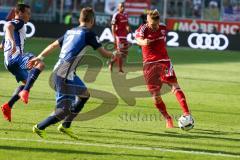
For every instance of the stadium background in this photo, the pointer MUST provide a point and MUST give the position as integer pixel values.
(209, 77)
(181, 16)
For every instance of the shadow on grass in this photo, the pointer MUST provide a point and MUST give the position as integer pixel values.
(188, 135)
(69, 151)
(126, 105)
(213, 132)
(98, 138)
(177, 135)
(34, 98)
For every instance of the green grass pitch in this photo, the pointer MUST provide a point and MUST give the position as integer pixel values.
(210, 79)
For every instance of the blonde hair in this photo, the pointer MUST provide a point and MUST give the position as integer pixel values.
(154, 14)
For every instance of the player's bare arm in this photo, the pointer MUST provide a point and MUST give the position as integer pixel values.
(9, 35)
(143, 42)
(113, 32)
(48, 50)
(129, 29)
(106, 53)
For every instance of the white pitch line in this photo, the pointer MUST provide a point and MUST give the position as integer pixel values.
(124, 147)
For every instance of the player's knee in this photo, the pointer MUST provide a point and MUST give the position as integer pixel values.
(157, 99)
(86, 94)
(175, 88)
(61, 113)
(63, 108)
(79, 104)
(20, 88)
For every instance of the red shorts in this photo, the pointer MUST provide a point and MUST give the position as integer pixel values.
(158, 73)
(122, 45)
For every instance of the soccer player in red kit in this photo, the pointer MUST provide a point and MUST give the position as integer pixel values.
(157, 66)
(120, 30)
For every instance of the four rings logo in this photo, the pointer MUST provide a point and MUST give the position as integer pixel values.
(30, 28)
(208, 41)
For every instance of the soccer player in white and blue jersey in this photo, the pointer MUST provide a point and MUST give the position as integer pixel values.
(10, 16)
(71, 92)
(16, 60)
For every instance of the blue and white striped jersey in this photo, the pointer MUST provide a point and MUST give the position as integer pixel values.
(19, 38)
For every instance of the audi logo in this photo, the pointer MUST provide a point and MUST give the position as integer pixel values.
(31, 29)
(208, 41)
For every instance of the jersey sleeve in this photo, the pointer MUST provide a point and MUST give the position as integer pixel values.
(18, 24)
(91, 40)
(139, 33)
(60, 41)
(114, 19)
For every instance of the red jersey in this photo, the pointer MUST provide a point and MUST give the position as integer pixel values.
(120, 20)
(156, 50)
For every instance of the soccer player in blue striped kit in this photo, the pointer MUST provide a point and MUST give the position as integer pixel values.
(16, 60)
(71, 92)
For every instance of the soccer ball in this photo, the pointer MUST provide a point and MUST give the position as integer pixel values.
(186, 122)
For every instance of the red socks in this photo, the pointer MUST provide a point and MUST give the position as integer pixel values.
(162, 108)
(182, 101)
(120, 63)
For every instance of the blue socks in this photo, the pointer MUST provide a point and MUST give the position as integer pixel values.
(15, 96)
(32, 77)
(76, 108)
(47, 122)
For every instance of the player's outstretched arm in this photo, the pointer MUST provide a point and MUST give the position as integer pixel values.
(129, 29)
(113, 32)
(105, 53)
(10, 34)
(2, 44)
(142, 42)
(48, 50)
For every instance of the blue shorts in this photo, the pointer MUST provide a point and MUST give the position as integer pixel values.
(18, 66)
(68, 90)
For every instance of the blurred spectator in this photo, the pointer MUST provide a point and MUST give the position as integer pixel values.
(197, 8)
(99, 5)
(154, 5)
(68, 5)
(110, 7)
(8, 3)
(68, 19)
(171, 9)
(175, 8)
(38, 6)
(231, 10)
(179, 9)
(215, 31)
(212, 10)
(86, 3)
(189, 10)
(227, 6)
